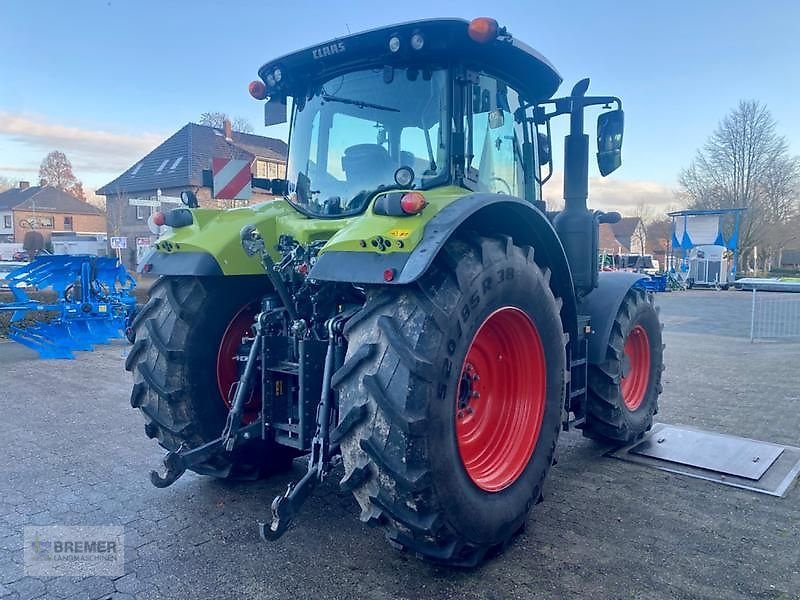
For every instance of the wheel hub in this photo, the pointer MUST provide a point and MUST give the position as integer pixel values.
(501, 399)
(230, 365)
(635, 368)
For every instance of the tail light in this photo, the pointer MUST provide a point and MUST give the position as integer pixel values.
(413, 203)
(399, 204)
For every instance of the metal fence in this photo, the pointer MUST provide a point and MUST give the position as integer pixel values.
(775, 316)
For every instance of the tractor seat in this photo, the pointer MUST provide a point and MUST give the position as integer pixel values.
(367, 163)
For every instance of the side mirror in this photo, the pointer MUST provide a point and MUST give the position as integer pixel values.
(610, 126)
(275, 111)
(544, 148)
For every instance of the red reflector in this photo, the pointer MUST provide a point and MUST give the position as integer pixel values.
(483, 29)
(388, 275)
(412, 203)
(159, 218)
(147, 267)
(257, 89)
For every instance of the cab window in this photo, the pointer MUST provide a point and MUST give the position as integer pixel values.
(496, 165)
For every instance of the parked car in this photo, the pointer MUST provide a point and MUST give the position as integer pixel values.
(21, 255)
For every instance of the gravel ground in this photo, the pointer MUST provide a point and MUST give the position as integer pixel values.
(72, 452)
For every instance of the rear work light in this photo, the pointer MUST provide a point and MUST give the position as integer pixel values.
(483, 29)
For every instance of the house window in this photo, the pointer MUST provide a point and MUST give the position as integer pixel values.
(261, 169)
(282, 171)
(272, 170)
(67, 223)
(142, 212)
(163, 164)
(7, 221)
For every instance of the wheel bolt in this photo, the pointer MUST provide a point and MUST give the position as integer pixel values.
(475, 394)
(461, 414)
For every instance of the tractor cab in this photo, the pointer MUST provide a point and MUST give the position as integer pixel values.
(413, 106)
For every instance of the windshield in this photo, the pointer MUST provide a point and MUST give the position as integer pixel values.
(350, 136)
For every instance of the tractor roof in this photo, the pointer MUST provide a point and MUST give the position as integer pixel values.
(446, 42)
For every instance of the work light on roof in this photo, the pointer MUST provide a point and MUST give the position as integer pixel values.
(394, 43)
(483, 29)
(277, 74)
(417, 41)
(257, 89)
(270, 79)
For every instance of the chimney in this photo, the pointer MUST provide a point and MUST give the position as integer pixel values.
(226, 124)
(24, 185)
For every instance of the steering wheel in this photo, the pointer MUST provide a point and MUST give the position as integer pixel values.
(504, 182)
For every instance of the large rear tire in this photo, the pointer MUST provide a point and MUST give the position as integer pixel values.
(623, 390)
(176, 372)
(451, 401)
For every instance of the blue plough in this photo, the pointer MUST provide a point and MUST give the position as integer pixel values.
(94, 303)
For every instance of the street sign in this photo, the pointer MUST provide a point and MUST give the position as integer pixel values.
(231, 178)
(119, 243)
(168, 199)
(154, 202)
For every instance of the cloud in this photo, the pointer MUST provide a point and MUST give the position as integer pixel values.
(91, 151)
(621, 195)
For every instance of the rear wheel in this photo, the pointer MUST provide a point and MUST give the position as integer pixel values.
(624, 388)
(450, 401)
(185, 372)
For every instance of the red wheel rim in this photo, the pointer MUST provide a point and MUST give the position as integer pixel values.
(636, 368)
(228, 366)
(501, 399)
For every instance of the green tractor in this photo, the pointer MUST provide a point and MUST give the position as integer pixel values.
(409, 310)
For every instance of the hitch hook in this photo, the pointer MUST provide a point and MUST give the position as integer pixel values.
(174, 467)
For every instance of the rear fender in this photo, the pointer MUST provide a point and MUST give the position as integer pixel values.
(481, 213)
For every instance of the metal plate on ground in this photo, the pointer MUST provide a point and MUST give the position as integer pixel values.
(711, 451)
(739, 462)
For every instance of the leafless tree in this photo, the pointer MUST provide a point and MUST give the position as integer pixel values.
(646, 215)
(56, 170)
(217, 119)
(745, 163)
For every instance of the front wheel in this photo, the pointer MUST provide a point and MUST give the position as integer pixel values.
(623, 389)
(450, 401)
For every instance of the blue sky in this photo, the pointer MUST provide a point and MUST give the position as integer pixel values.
(105, 81)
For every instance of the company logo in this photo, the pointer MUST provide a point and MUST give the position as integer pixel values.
(41, 550)
(73, 551)
(36, 223)
(329, 50)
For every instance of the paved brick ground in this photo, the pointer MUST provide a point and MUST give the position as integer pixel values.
(73, 452)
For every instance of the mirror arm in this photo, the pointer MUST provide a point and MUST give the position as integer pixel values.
(550, 161)
(565, 105)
